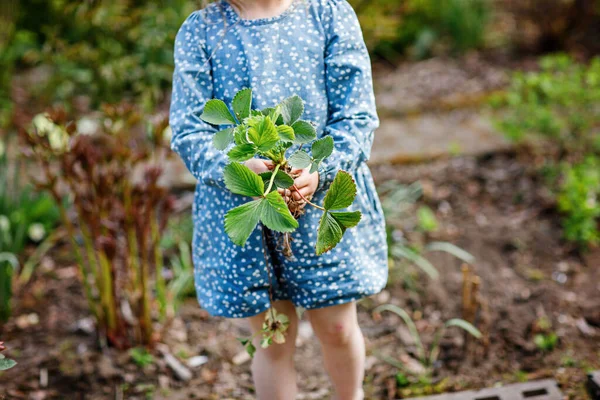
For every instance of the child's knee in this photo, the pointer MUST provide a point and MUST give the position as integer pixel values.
(335, 334)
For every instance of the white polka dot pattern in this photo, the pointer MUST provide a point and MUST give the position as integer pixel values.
(314, 49)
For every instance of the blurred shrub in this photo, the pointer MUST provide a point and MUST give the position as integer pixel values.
(579, 199)
(112, 178)
(555, 25)
(421, 28)
(557, 109)
(25, 217)
(558, 103)
(107, 49)
(103, 49)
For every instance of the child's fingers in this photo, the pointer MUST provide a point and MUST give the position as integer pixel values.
(269, 164)
(303, 180)
(285, 193)
(306, 192)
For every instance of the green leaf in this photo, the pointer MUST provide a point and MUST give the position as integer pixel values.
(347, 219)
(341, 193)
(239, 134)
(266, 341)
(300, 159)
(329, 234)
(253, 120)
(275, 214)
(223, 138)
(304, 131)
(286, 133)
(410, 324)
(242, 152)
(6, 363)
(291, 109)
(250, 349)
(241, 221)
(314, 167)
(426, 219)
(216, 112)
(272, 112)
(451, 249)
(461, 323)
(282, 180)
(402, 251)
(264, 134)
(242, 180)
(241, 103)
(322, 148)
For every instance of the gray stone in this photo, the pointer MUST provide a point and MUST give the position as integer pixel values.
(535, 390)
(593, 385)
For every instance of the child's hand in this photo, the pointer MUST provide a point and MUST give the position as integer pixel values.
(259, 166)
(305, 185)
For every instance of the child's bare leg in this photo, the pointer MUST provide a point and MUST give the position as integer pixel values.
(273, 369)
(343, 348)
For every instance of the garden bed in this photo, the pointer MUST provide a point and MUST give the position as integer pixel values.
(493, 207)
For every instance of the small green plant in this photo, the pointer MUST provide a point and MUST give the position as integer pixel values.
(546, 341)
(402, 380)
(579, 200)
(5, 363)
(398, 202)
(568, 361)
(521, 376)
(273, 330)
(270, 134)
(181, 284)
(427, 220)
(427, 357)
(141, 357)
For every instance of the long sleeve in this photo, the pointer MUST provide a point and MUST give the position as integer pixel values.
(352, 116)
(192, 88)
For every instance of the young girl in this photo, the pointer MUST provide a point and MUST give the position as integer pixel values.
(315, 49)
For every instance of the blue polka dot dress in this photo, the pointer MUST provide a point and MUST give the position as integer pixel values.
(314, 49)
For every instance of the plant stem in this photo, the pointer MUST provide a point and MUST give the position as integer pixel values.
(306, 200)
(273, 178)
(158, 265)
(77, 252)
(145, 318)
(264, 246)
(108, 295)
(34, 260)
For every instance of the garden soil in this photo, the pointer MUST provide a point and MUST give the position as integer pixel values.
(493, 206)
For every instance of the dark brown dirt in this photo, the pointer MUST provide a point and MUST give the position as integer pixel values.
(493, 207)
